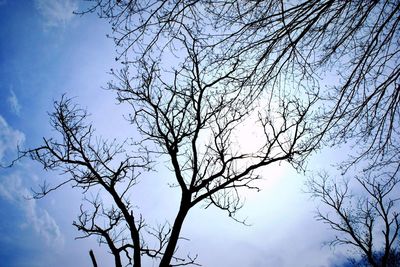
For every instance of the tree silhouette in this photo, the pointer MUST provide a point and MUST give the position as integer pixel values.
(368, 220)
(192, 121)
(233, 61)
(351, 47)
(346, 52)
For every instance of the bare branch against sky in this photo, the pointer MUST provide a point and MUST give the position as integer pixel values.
(191, 77)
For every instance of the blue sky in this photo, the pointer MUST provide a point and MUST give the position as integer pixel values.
(46, 51)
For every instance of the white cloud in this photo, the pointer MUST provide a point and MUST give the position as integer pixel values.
(13, 191)
(14, 103)
(56, 13)
(9, 139)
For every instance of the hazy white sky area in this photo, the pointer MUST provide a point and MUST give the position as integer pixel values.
(46, 51)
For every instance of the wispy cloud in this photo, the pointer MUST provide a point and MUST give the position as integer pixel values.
(13, 190)
(14, 103)
(9, 139)
(56, 13)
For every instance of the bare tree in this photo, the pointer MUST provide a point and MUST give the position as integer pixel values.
(190, 117)
(367, 220)
(346, 50)
(237, 60)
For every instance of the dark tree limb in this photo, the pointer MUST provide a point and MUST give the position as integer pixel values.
(93, 258)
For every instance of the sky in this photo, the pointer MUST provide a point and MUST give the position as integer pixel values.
(46, 51)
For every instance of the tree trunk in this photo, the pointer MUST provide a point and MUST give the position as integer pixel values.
(176, 229)
(93, 258)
